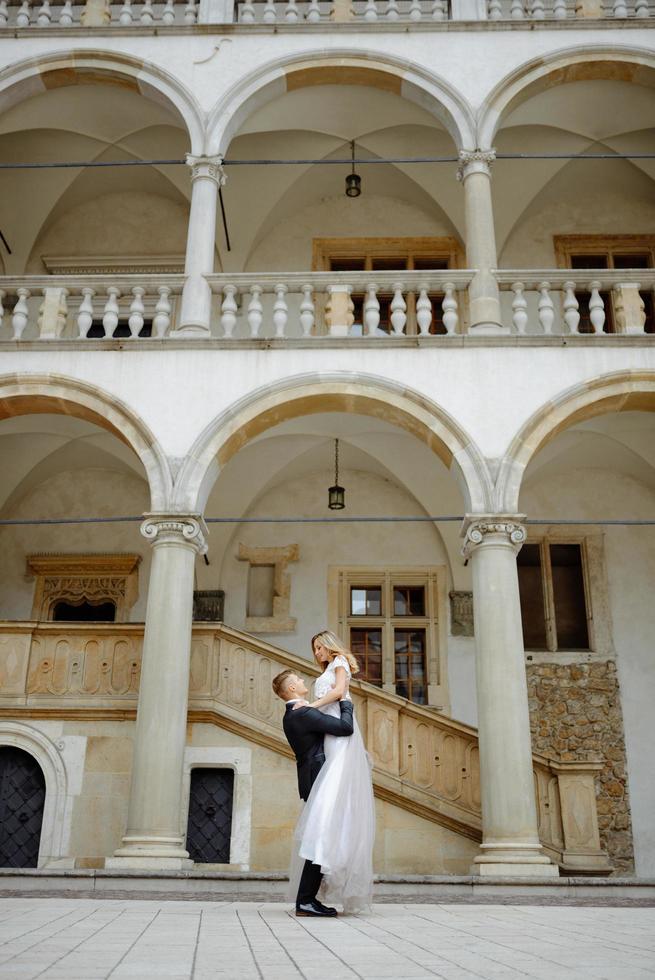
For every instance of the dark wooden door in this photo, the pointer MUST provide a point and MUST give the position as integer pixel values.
(22, 796)
(210, 815)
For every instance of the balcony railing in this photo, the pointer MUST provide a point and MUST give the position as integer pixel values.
(66, 13)
(308, 306)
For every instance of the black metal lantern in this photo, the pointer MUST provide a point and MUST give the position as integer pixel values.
(353, 180)
(336, 494)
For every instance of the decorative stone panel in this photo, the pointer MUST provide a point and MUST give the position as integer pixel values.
(575, 714)
(461, 613)
(75, 578)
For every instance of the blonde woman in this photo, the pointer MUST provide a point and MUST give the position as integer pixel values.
(337, 826)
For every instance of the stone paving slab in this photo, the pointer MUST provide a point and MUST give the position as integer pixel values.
(97, 939)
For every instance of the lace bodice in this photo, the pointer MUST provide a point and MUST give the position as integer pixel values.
(327, 680)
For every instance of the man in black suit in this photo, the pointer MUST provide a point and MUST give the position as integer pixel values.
(304, 728)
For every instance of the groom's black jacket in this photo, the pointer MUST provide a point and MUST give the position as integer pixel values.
(304, 729)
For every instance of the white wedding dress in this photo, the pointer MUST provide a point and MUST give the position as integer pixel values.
(336, 828)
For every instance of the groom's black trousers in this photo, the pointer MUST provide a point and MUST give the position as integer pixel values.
(310, 882)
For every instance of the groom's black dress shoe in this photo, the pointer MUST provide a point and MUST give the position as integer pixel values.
(315, 908)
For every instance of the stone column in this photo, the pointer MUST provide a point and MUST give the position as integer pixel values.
(510, 839)
(96, 13)
(154, 837)
(475, 173)
(207, 175)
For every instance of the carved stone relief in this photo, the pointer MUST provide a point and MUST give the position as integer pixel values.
(78, 578)
(461, 613)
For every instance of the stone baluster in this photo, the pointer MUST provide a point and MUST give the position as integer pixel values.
(4, 13)
(559, 9)
(52, 313)
(398, 310)
(307, 313)
(438, 10)
(571, 307)
(415, 13)
(495, 10)
(247, 12)
(23, 15)
(162, 318)
(642, 9)
(137, 309)
(2, 309)
(21, 313)
(449, 313)
(85, 311)
(66, 14)
(517, 10)
(168, 14)
(153, 838)
(229, 310)
(619, 8)
(475, 173)
(537, 10)
(206, 176)
(313, 15)
(110, 316)
(280, 310)
(371, 15)
(191, 12)
(291, 14)
(255, 310)
(44, 14)
(339, 311)
(147, 13)
(629, 308)
(392, 12)
(596, 307)
(126, 15)
(371, 310)
(423, 310)
(270, 13)
(510, 838)
(546, 308)
(519, 308)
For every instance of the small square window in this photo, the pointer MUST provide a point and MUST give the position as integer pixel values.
(366, 601)
(408, 600)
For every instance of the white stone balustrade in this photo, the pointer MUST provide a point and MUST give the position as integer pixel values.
(569, 9)
(547, 301)
(301, 305)
(68, 307)
(67, 13)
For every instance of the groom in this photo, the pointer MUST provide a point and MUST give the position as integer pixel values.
(304, 729)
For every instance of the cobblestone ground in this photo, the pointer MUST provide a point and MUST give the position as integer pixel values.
(87, 939)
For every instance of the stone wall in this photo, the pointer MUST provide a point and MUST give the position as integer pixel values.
(575, 713)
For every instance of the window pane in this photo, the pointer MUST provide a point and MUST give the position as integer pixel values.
(430, 263)
(531, 591)
(628, 261)
(589, 262)
(367, 647)
(408, 600)
(366, 602)
(389, 263)
(409, 652)
(354, 264)
(568, 594)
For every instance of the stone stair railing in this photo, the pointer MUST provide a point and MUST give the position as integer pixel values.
(424, 762)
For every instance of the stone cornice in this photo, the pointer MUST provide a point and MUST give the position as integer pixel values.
(82, 565)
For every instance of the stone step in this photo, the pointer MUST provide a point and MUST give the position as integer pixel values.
(236, 886)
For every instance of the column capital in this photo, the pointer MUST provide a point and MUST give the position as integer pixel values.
(475, 162)
(479, 528)
(187, 529)
(211, 167)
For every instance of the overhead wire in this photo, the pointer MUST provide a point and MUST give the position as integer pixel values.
(361, 519)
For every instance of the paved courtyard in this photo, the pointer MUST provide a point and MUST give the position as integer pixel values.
(85, 939)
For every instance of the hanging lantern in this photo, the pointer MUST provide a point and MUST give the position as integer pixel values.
(353, 180)
(336, 494)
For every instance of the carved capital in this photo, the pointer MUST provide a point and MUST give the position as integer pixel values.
(475, 162)
(480, 529)
(183, 528)
(211, 167)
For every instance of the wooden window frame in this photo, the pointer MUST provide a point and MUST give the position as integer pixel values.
(433, 580)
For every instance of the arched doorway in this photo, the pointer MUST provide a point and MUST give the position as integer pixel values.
(22, 800)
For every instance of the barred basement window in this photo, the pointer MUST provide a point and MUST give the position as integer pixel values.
(554, 605)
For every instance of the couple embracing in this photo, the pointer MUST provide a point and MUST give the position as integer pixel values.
(333, 839)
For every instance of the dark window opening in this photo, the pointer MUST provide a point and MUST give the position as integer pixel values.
(531, 592)
(569, 597)
(84, 612)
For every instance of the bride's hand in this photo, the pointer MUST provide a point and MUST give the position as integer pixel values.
(300, 704)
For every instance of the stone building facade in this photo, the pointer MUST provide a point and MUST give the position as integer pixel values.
(238, 241)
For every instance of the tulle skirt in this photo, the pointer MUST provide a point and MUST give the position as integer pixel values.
(336, 828)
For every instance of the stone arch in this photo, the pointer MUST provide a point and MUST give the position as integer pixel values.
(309, 394)
(581, 63)
(57, 813)
(347, 67)
(78, 67)
(30, 394)
(623, 391)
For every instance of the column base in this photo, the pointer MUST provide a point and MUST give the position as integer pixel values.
(191, 331)
(144, 863)
(513, 861)
(488, 329)
(167, 854)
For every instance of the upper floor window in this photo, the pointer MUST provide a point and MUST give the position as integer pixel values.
(607, 252)
(554, 605)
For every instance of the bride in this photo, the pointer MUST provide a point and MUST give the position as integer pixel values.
(337, 825)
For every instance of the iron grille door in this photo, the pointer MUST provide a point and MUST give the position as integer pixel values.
(22, 795)
(210, 815)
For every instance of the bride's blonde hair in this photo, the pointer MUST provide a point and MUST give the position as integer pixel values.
(335, 648)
